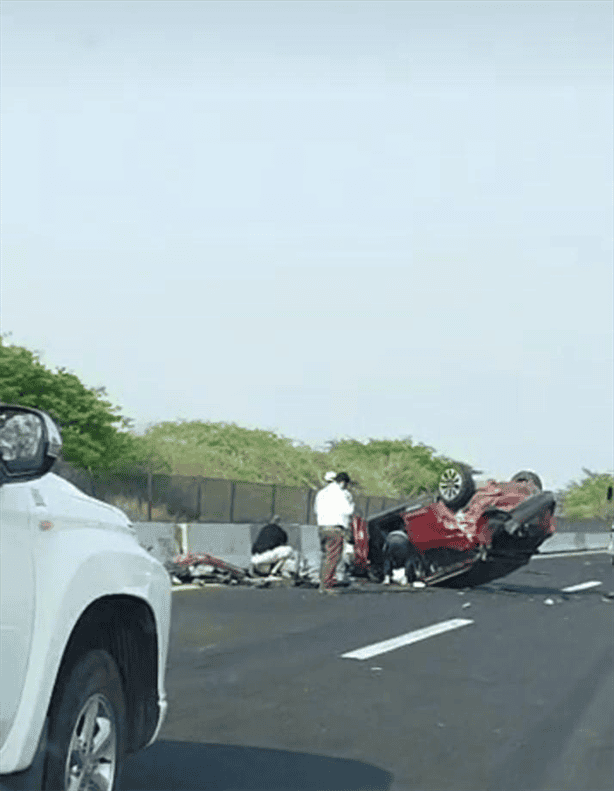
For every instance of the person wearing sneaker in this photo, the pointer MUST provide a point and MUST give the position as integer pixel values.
(334, 508)
(398, 557)
(271, 553)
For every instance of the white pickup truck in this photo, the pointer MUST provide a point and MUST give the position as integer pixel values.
(85, 619)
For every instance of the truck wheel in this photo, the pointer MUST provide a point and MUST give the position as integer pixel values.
(86, 726)
(456, 487)
(527, 475)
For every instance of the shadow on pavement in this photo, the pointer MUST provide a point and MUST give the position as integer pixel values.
(184, 766)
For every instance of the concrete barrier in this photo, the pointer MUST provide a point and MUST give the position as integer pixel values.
(229, 542)
(575, 542)
(162, 539)
(233, 542)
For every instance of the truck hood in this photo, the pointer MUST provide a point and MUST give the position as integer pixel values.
(64, 498)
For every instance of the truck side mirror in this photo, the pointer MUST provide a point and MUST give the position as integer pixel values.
(29, 443)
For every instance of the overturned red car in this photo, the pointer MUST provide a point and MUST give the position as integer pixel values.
(463, 535)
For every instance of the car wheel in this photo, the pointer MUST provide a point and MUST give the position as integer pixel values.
(527, 475)
(456, 487)
(86, 727)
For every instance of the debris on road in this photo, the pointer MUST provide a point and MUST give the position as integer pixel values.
(206, 569)
(466, 604)
(553, 600)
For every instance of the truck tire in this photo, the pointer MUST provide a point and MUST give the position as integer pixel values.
(527, 475)
(456, 487)
(86, 725)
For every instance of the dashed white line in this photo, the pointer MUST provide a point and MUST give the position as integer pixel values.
(579, 554)
(194, 586)
(582, 586)
(406, 639)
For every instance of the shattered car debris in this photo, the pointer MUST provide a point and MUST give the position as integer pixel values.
(462, 533)
(207, 569)
(185, 568)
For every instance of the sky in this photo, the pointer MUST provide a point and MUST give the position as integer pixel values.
(326, 219)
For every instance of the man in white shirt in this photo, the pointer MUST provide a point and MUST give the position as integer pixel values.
(334, 507)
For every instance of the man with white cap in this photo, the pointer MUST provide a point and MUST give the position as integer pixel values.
(334, 507)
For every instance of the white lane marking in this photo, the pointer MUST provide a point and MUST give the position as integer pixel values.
(185, 587)
(580, 553)
(406, 639)
(582, 586)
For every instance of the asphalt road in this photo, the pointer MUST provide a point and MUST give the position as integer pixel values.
(519, 696)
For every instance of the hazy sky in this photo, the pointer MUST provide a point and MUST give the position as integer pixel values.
(329, 219)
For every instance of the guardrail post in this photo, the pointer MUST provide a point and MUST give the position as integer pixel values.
(273, 500)
(232, 501)
(149, 495)
(309, 498)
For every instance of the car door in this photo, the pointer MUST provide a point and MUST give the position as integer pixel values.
(17, 592)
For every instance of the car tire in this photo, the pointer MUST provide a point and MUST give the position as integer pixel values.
(527, 475)
(456, 487)
(87, 718)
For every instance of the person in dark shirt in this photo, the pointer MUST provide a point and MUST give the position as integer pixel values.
(399, 554)
(271, 553)
(269, 537)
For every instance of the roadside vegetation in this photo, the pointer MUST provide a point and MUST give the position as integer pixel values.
(99, 438)
(96, 436)
(389, 468)
(587, 499)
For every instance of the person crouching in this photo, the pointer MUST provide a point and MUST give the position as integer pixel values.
(400, 561)
(271, 553)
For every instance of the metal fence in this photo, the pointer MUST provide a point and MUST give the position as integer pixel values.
(184, 498)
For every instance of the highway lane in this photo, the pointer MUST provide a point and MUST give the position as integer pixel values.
(521, 696)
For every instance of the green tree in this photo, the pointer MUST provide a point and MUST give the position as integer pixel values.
(587, 499)
(391, 468)
(95, 435)
(225, 450)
